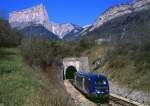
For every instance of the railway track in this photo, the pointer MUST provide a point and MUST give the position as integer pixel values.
(124, 101)
(115, 100)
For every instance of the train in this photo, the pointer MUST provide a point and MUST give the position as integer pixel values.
(94, 86)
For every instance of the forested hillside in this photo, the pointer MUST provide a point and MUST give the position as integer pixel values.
(128, 49)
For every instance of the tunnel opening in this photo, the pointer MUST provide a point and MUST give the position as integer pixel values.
(70, 71)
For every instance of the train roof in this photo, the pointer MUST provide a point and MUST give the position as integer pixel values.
(91, 74)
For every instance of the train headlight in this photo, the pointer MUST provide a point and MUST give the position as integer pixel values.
(104, 82)
(99, 92)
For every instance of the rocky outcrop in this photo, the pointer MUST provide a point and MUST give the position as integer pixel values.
(38, 15)
(35, 15)
(120, 10)
(140, 5)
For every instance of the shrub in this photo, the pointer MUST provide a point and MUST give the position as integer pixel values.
(8, 37)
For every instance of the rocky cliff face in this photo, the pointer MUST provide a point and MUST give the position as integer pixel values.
(35, 15)
(38, 15)
(120, 10)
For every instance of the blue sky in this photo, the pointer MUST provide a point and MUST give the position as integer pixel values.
(81, 12)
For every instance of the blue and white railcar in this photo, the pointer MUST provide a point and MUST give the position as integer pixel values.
(93, 85)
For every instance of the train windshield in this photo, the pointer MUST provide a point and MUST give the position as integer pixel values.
(101, 81)
(101, 84)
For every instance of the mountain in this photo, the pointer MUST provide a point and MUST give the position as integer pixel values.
(118, 11)
(85, 30)
(63, 30)
(38, 30)
(130, 26)
(38, 15)
(27, 17)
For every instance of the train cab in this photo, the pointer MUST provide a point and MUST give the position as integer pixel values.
(95, 86)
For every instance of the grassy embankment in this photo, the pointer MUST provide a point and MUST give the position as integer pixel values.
(21, 85)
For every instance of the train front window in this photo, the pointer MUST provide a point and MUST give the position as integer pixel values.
(101, 84)
(100, 81)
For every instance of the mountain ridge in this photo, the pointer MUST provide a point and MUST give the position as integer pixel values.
(120, 10)
(38, 15)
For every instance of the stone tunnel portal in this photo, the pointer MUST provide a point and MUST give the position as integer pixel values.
(72, 65)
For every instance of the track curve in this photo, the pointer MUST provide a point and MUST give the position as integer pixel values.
(81, 100)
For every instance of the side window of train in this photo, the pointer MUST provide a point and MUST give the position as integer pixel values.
(79, 80)
(87, 84)
(101, 81)
(75, 79)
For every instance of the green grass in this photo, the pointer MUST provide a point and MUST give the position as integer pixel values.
(21, 85)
